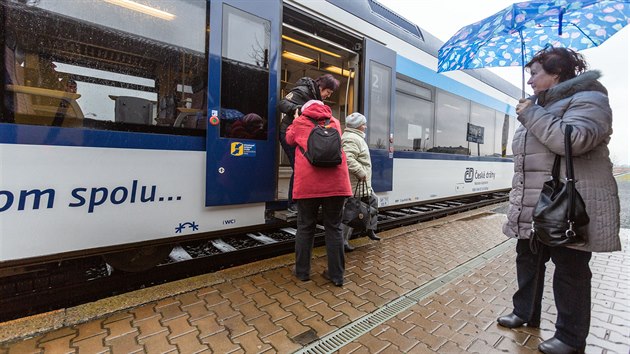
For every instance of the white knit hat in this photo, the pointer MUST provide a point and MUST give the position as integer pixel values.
(355, 120)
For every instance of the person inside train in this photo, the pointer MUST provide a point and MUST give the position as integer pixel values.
(360, 168)
(250, 126)
(305, 89)
(565, 93)
(315, 186)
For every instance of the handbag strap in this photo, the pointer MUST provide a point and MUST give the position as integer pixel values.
(570, 178)
(361, 189)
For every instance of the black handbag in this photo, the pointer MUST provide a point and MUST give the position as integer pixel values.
(356, 211)
(560, 215)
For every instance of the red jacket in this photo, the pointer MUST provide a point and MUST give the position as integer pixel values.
(310, 181)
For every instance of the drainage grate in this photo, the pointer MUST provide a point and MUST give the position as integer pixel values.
(356, 329)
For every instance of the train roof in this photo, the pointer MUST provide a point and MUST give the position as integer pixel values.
(389, 21)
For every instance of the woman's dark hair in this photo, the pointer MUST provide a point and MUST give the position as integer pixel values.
(327, 81)
(563, 62)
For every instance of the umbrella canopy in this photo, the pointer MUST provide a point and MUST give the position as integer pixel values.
(512, 36)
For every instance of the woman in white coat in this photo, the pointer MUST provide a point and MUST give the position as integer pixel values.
(359, 166)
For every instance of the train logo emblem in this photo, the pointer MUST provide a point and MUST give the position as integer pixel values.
(469, 175)
(236, 149)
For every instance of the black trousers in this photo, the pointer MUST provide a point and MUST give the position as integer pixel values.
(306, 227)
(571, 289)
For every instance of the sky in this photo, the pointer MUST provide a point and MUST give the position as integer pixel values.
(443, 18)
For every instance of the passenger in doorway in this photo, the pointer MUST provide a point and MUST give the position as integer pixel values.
(327, 187)
(360, 168)
(565, 94)
(305, 89)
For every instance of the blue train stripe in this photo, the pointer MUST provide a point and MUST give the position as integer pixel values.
(43, 135)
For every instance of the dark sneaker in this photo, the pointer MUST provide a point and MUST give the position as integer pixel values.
(327, 277)
(301, 277)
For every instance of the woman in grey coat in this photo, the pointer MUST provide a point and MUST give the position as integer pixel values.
(565, 93)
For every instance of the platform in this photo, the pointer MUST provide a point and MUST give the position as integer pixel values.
(433, 287)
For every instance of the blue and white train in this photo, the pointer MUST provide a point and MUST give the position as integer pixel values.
(129, 124)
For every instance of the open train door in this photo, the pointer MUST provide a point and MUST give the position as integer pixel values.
(242, 90)
(378, 105)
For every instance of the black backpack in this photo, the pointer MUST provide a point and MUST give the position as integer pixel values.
(323, 147)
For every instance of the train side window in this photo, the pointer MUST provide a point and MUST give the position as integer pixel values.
(136, 69)
(486, 118)
(413, 124)
(244, 75)
(379, 106)
(452, 114)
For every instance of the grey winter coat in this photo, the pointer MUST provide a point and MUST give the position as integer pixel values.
(358, 155)
(583, 103)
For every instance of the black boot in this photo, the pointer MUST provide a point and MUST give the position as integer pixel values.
(513, 321)
(347, 247)
(555, 346)
(372, 235)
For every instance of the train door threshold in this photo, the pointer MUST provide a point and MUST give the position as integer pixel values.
(285, 215)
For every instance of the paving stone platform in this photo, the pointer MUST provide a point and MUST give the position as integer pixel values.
(435, 287)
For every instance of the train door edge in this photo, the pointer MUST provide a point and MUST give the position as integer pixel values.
(379, 63)
(243, 80)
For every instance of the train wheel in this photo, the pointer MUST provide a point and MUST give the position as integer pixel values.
(138, 260)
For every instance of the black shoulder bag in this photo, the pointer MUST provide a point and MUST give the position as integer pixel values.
(560, 215)
(356, 211)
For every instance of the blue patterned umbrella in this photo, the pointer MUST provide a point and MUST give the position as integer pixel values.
(512, 36)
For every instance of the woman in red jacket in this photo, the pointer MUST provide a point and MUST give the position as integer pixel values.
(315, 186)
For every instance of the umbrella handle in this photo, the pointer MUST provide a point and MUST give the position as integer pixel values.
(520, 33)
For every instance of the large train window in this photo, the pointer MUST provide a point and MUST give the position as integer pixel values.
(245, 75)
(379, 105)
(484, 117)
(452, 114)
(413, 126)
(106, 64)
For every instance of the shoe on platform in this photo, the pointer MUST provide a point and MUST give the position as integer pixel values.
(372, 235)
(347, 248)
(327, 277)
(301, 277)
(556, 346)
(513, 321)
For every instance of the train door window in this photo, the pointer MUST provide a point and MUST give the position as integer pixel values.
(452, 114)
(413, 124)
(379, 105)
(104, 65)
(244, 75)
(484, 117)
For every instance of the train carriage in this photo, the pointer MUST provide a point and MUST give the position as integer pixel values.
(136, 125)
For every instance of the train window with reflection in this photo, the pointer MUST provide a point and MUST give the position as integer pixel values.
(103, 65)
(413, 124)
(380, 106)
(452, 114)
(484, 117)
(244, 75)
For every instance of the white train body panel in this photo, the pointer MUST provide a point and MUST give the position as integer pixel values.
(418, 180)
(95, 203)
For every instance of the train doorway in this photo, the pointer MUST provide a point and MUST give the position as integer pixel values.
(310, 48)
